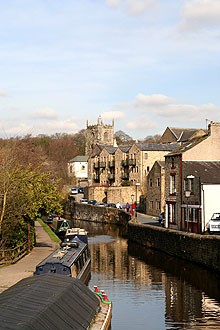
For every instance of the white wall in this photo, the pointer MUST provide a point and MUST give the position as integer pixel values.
(210, 202)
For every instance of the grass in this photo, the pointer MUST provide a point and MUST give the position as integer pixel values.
(49, 231)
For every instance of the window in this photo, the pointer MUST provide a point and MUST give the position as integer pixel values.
(151, 204)
(172, 163)
(158, 182)
(148, 168)
(150, 182)
(158, 205)
(172, 184)
(105, 137)
(189, 184)
(171, 212)
(146, 155)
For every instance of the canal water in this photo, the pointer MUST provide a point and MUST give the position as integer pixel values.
(149, 289)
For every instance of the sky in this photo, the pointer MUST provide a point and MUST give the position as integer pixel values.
(147, 64)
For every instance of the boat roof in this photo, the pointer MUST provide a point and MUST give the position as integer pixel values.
(47, 301)
(65, 255)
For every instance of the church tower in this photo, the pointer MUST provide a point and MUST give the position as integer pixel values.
(98, 134)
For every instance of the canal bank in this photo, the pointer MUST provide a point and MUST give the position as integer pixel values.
(200, 249)
(25, 267)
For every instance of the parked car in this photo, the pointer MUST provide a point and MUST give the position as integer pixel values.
(92, 201)
(111, 205)
(84, 200)
(100, 204)
(213, 225)
(74, 191)
(80, 190)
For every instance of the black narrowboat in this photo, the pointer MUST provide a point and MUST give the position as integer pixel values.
(72, 258)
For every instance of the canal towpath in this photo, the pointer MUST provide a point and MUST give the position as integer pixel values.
(25, 267)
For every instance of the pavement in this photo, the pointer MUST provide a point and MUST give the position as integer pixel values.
(11, 274)
(147, 219)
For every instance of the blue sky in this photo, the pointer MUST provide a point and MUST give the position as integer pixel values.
(147, 64)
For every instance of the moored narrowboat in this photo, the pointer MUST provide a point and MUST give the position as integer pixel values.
(72, 258)
(52, 301)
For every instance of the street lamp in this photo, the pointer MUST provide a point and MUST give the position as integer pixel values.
(137, 185)
(187, 194)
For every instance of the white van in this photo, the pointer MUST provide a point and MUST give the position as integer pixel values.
(214, 223)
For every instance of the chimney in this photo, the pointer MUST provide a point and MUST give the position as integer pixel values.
(214, 130)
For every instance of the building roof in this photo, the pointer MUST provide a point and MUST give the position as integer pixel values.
(79, 159)
(208, 172)
(183, 134)
(157, 146)
(124, 148)
(188, 145)
(48, 301)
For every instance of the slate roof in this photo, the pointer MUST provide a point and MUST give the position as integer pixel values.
(188, 145)
(79, 159)
(208, 172)
(183, 134)
(48, 301)
(157, 146)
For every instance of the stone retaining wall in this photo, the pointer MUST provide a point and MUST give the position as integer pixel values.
(200, 249)
(87, 212)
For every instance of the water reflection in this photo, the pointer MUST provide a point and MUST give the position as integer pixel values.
(149, 289)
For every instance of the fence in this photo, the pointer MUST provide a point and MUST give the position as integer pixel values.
(10, 256)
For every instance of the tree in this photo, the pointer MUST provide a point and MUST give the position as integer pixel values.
(26, 191)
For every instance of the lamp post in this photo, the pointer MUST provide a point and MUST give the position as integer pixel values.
(187, 194)
(137, 185)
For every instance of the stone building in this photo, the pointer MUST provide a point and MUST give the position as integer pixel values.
(98, 134)
(180, 135)
(123, 169)
(78, 169)
(181, 174)
(155, 201)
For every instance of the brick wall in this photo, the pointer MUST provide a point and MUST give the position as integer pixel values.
(200, 249)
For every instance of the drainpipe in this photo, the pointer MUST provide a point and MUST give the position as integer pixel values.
(181, 191)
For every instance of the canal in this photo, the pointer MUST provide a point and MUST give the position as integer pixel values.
(149, 289)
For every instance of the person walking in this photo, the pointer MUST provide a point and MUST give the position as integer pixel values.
(127, 206)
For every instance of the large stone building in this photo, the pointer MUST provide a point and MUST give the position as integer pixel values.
(187, 170)
(98, 134)
(119, 173)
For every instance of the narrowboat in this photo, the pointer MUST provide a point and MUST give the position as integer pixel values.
(60, 226)
(72, 258)
(52, 301)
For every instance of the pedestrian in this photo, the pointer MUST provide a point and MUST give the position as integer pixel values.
(134, 206)
(127, 206)
(118, 205)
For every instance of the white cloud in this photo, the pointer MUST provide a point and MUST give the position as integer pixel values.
(3, 92)
(200, 14)
(112, 115)
(113, 3)
(45, 113)
(142, 101)
(132, 7)
(141, 124)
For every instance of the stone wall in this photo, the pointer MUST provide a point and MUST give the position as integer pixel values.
(200, 249)
(87, 212)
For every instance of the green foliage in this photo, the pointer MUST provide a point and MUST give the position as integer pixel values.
(26, 191)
